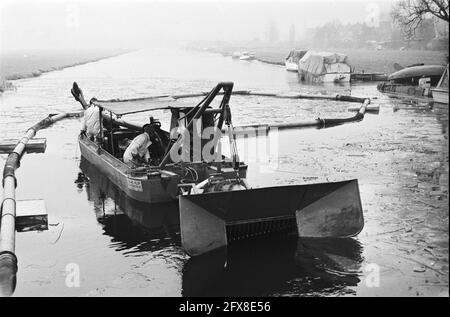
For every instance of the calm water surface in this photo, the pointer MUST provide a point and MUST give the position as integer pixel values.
(125, 248)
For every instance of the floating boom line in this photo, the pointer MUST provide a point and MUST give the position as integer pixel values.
(8, 259)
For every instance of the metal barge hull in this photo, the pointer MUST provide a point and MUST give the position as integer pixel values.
(157, 188)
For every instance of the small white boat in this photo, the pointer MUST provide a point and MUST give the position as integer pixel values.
(290, 66)
(291, 61)
(236, 55)
(324, 67)
(440, 93)
(247, 56)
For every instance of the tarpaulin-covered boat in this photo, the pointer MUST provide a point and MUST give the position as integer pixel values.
(291, 61)
(324, 67)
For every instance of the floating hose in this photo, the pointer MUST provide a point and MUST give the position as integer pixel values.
(326, 123)
(8, 273)
(8, 259)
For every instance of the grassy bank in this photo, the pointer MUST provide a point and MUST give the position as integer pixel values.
(24, 64)
(5, 85)
(369, 61)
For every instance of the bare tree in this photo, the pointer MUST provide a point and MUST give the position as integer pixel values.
(410, 14)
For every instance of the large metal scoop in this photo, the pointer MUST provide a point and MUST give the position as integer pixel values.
(212, 220)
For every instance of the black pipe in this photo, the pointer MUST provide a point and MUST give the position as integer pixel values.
(326, 123)
(350, 98)
(8, 260)
(8, 273)
(12, 163)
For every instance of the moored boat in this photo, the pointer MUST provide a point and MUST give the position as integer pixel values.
(415, 80)
(291, 61)
(236, 55)
(441, 93)
(246, 56)
(324, 67)
(411, 75)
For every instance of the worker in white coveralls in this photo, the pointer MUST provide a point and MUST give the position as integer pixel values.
(137, 152)
(91, 121)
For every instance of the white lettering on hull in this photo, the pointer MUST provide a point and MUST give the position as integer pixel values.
(134, 184)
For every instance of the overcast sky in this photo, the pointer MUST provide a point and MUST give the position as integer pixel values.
(130, 24)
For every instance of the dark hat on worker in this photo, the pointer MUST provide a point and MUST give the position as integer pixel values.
(147, 128)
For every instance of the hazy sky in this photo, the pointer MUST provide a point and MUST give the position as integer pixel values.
(124, 24)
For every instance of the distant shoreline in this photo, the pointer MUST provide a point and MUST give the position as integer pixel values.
(21, 66)
(56, 68)
(363, 60)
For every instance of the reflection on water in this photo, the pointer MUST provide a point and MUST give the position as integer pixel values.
(261, 267)
(131, 223)
(277, 266)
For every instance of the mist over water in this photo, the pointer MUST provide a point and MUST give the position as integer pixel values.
(136, 24)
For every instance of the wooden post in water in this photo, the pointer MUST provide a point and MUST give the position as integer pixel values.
(8, 259)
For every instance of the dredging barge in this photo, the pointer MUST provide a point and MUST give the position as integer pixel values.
(215, 202)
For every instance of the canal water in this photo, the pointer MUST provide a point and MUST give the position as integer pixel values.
(123, 248)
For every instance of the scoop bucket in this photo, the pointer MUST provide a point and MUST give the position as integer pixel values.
(210, 221)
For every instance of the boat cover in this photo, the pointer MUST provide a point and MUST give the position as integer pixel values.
(316, 62)
(128, 106)
(296, 55)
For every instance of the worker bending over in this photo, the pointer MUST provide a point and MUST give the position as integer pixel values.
(137, 152)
